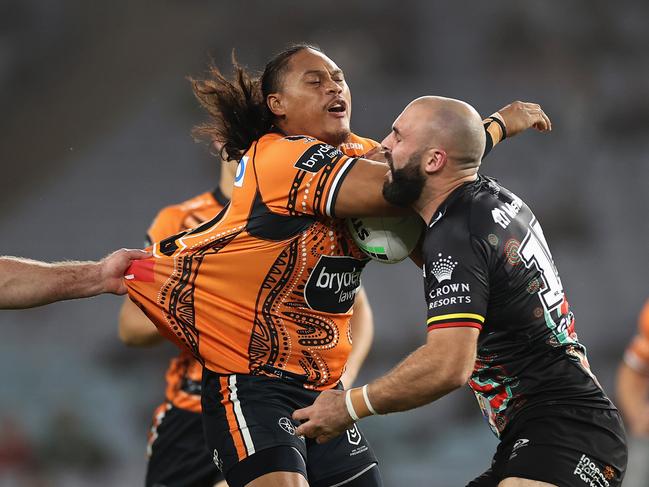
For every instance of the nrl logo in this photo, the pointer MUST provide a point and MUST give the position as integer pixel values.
(442, 269)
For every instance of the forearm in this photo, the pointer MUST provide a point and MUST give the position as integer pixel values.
(495, 132)
(633, 397)
(27, 283)
(362, 324)
(418, 380)
(135, 329)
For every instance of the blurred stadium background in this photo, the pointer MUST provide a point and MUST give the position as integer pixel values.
(94, 139)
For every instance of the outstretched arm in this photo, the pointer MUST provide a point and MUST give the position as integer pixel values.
(361, 192)
(513, 119)
(430, 372)
(26, 283)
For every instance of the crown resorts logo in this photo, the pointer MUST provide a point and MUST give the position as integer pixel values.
(442, 269)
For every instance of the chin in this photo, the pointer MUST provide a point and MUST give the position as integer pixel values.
(337, 137)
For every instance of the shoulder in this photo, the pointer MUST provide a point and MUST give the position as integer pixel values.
(472, 214)
(357, 146)
(296, 151)
(169, 220)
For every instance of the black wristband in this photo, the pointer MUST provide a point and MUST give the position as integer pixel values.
(502, 125)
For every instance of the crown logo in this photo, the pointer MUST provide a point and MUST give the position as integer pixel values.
(442, 269)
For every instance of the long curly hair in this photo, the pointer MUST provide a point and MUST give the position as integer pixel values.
(238, 113)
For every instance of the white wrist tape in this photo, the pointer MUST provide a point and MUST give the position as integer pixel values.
(350, 406)
(367, 401)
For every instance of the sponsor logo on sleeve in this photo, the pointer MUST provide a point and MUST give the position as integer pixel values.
(446, 293)
(317, 156)
(443, 268)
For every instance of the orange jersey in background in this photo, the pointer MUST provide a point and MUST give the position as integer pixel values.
(267, 286)
(637, 353)
(185, 372)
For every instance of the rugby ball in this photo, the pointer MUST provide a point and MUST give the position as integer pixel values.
(386, 239)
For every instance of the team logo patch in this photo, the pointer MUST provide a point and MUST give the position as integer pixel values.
(241, 172)
(353, 435)
(287, 425)
(443, 268)
(217, 461)
(520, 443)
(333, 283)
(317, 156)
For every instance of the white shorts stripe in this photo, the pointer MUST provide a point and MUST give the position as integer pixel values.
(247, 439)
(354, 477)
(337, 181)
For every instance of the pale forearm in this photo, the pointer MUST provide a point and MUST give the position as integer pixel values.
(421, 378)
(27, 283)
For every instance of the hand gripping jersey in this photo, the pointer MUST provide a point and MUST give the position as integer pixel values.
(488, 266)
(268, 285)
(637, 353)
(185, 372)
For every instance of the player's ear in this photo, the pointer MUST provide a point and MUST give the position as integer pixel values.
(434, 160)
(275, 104)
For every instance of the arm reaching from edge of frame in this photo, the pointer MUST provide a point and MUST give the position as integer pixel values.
(26, 283)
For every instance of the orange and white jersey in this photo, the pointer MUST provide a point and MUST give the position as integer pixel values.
(185, 372)
(267, 286)
(637, 353)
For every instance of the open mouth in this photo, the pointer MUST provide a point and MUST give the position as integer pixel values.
(338, 106)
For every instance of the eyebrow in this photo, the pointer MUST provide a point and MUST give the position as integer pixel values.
(396, 130)
(320, 71)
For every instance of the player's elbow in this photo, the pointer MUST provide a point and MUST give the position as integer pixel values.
(458, 375)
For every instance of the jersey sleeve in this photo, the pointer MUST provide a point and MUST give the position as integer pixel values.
(636, 355)
(456, 280)
(300, 175)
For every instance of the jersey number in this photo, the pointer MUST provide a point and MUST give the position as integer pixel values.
(534, 250)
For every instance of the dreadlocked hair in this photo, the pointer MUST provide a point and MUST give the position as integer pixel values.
(237, 107)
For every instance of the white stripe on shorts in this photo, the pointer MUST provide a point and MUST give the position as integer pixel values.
(354, 477)
(247, 439)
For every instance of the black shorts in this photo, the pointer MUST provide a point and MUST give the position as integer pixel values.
(244, 415)
(569, 446)
(178, 455)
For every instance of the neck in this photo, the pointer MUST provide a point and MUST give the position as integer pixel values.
(225, 186)
(433, 197)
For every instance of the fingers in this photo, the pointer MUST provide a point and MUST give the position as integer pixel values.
(136, 254)
(548, 122)
(302, 414)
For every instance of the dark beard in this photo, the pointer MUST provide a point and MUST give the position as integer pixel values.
(407, 183)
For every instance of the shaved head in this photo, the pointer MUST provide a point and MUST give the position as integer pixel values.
(451, 125)
(435, 143)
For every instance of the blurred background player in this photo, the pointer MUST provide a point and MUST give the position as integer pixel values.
(633, 399)
(26, 283)
(270, 314)
(177, 453)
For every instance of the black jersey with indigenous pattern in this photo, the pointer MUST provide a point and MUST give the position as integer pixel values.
(488, 266)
